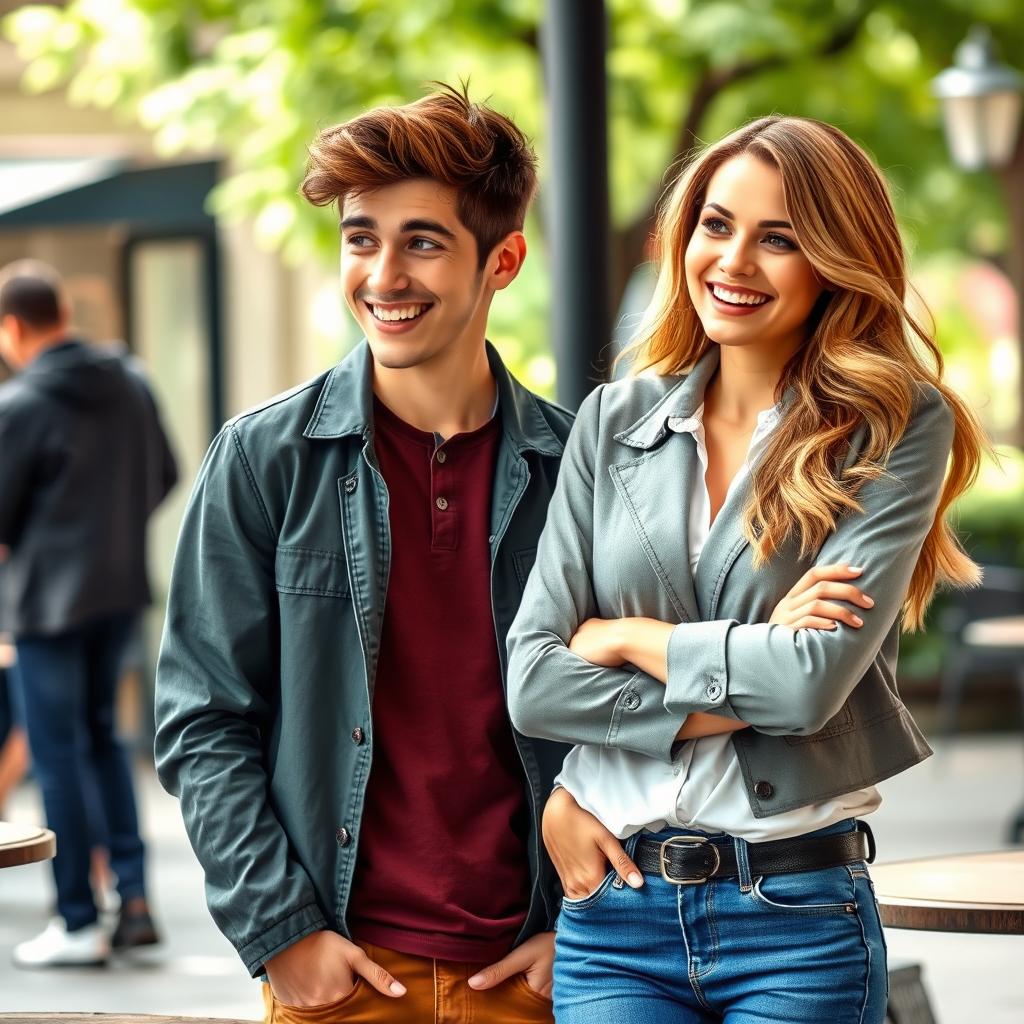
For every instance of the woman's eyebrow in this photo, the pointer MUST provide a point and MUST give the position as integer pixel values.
(727, 214)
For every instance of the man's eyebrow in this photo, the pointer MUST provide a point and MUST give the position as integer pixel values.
(727, 214)
(408, 226)
(358, 222)
(422, 224)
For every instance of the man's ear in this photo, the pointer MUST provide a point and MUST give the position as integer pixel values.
(11, 326)
(506, 260)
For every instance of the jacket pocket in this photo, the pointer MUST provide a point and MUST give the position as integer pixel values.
(311, 571)
(837, 725)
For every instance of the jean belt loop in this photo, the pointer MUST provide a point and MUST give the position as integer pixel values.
(630, 843)
(743, 864)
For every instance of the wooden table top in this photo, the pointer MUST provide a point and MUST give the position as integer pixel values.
(25, 844)
(973, 892)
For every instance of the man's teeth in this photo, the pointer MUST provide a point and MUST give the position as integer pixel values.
(397, 313)
(740, 298)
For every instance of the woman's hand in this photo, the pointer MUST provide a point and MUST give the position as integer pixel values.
(581, 848)
(811, 604)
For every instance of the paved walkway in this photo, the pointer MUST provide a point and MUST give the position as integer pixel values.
(959, 800)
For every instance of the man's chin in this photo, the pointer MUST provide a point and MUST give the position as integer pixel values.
(399, 353)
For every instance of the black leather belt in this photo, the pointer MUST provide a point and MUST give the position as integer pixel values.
(689, 860)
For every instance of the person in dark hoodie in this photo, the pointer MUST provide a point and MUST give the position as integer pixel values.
(84, 461)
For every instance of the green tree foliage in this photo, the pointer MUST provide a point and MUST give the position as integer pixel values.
(254, 79)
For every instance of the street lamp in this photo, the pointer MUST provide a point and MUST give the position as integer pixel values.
(981, 106)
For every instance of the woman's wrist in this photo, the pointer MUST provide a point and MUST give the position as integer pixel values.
(643, 642)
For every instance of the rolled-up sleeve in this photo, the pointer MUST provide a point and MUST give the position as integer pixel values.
(553, 693)
(783, 681)
(214, 702)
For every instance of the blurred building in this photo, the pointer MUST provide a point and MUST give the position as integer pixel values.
(219, 323)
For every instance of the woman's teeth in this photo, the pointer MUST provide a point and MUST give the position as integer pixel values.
(738, 298)
(398, 312)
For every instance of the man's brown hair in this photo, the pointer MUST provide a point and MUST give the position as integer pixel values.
(469, 147)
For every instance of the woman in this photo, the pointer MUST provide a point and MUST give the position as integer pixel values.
(737, 536)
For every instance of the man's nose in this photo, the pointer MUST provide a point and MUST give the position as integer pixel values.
(387, 273)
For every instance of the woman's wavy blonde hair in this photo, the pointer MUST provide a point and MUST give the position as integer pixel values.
(864, 357)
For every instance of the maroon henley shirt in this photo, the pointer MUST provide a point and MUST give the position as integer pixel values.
(442, 868)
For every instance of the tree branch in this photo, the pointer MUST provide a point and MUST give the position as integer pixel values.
(628, 244)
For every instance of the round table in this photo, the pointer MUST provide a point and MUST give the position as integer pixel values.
(972, 892)
(25, 844)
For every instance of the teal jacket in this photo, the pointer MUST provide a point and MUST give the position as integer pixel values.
(265, 680)
(825, 712)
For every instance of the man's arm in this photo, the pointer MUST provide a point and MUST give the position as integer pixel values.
(215, 700)
(17, 456)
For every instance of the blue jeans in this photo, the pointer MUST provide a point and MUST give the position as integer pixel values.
(799, 948)
(69, 685)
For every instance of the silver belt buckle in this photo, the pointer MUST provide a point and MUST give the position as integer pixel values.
(687, 842)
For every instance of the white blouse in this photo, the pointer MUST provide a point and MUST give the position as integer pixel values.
(702, 788)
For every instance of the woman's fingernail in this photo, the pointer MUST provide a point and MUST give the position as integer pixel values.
(858, 620)
(397, 988)
(475, 980)
(635, 879)
(855, 568)
(868, 601)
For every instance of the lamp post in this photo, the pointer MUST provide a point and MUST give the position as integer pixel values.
(573, 42)
(981, 105)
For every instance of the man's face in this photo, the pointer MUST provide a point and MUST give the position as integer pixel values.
(410, 273)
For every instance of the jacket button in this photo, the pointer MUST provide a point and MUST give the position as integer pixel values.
(442, 456)
(632, 701)
(714, 691)
(441, 503)
(357, 735)
(350, 485)
(764, 789)
(343, 836)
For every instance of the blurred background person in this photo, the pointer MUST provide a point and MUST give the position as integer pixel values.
(13, 741)
(84, 461)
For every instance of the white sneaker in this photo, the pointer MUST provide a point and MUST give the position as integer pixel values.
(57, 947)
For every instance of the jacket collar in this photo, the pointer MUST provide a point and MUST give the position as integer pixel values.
(682, 400)
(345, 404)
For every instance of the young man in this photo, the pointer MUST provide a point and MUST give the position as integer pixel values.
(330, 698)
(84, 462)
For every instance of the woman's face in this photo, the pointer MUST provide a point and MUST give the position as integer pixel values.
(746, 276)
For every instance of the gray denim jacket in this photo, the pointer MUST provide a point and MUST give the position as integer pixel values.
(825, 713)
(264, 689)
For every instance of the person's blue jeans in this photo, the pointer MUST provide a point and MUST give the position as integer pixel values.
(69, 685)
(799, 948)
